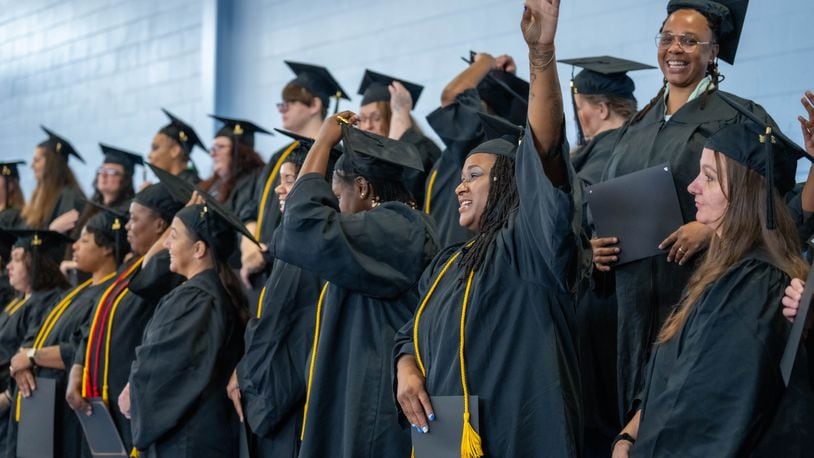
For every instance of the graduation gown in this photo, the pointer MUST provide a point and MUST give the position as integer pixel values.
(429, 153)
(69, 199)
(15, 323)
(715, 388)
(10, 218)
(596, 316)
(66, 334)
(178, 380)
(372, 261)
(190, 175)
(122, 320)
(520, 336)
(271, 373)
(647, 290)
(459, 127)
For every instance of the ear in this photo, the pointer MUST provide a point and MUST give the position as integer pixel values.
(363, 188)
(315, 108)
(160, 225)
(604, 111)
(199, 249)
(176, 152)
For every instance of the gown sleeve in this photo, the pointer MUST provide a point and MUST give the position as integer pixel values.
(734, 337)
(174, 363)
(372, 252)
(458, 125)
(155, 279)
(543, 235)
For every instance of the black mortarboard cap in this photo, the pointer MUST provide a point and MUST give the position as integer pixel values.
(731, 14)
(374, 88)
(760, 146)
(41, 243)
(318, 81)
(502, 137)
(157, 198)
(111, 223)
(239, 129)
(218, 215)
(305, 144)
(505, 93)
(181, 132)
(124, 158)
(376, 156)
(9, 169)
(601, 75)
(61, 146)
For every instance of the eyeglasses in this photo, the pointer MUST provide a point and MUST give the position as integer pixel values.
(108, 172)
(284, 105)
(685, 42)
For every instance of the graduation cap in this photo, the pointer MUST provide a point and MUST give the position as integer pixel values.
(111, 223)
(212, 221)
(731, 14)
(239, 130)
(502, 137)
(41, 242)
(182, 133)
(758, 145)
(318, 81)
(61, 146)
(124, 158)
(375, 156)
(374, 88)
(157, 197)
(601, 75)
(505, 93)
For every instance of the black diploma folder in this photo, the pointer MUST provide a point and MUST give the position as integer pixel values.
(641, 209)
(35, 433)
(100, 431)
(444, 438)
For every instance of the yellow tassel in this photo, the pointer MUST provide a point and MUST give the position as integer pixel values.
(134, 453)
(470, 440)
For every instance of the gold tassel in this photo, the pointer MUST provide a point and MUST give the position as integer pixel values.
(470, 440)
(134, 453)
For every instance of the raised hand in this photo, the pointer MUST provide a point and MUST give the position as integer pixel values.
(539, 23)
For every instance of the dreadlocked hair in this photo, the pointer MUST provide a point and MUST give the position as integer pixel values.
(386, 188)
(500, 203)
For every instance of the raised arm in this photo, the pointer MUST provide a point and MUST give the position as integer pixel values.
(545, 115)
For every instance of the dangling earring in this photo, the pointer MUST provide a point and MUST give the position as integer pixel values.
(374, 202)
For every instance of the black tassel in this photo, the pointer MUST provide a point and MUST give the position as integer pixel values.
(767, 140)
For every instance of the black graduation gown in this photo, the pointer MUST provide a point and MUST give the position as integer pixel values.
(271, 373)
(520, 334)
(178, 380)
(647, 290)
(67, 334)
(69, 199)
(596, 317)
(803, 221)
(460, 129)
(10, 218)
(13, 330)
(372, 261)
(715, 388)
(265, 197)
(126, 326)
(429, 153)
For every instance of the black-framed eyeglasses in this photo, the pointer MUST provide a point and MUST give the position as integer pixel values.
(686, 42)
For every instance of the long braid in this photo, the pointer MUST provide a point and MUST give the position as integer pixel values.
(638, 116)
(503, 198)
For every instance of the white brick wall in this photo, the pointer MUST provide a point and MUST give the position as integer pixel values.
(98, 70)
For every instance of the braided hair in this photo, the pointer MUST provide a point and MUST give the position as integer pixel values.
(502, 200)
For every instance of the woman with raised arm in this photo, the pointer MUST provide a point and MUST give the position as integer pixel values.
(496, 316)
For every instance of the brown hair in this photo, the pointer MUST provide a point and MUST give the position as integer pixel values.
(741, 233)
(621, 106)
(56, 175)
(293, 92)
(244, 160)
(14, 198)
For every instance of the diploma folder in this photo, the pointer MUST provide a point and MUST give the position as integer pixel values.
(35, 433)
(444, 438)
(641, 209)
(100, 431)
